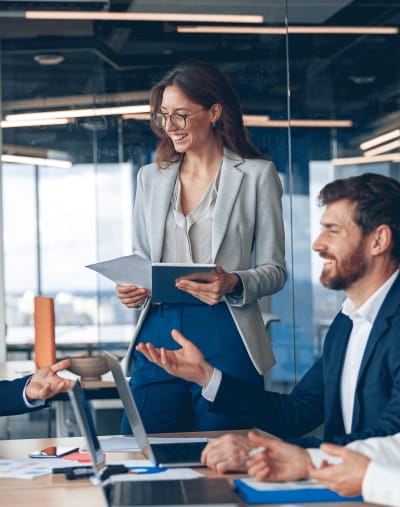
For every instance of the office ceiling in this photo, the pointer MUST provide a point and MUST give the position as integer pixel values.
(352, 77)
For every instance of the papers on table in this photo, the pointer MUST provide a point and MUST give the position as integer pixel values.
(148, 472)
(23, 469)
(138, 469)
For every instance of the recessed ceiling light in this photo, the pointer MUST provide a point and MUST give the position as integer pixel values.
(48, 59)
(367, 79)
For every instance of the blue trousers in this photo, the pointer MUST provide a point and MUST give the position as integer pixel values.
(168, 404)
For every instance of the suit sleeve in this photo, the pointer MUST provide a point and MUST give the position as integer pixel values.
(11, 395)
(268, 274)
(140, 240)
(383, 375)
(283, 415)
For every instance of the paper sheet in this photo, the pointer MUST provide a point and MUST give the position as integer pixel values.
(153, 473)
(24, 469)
(276, 486)
(127, 270)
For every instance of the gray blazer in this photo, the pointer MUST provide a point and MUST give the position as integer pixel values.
(247, 238)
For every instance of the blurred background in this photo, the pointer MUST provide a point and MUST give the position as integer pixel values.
(319, 85)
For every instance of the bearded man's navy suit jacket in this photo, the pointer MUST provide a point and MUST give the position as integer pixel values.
(11, 396)
(316, 398)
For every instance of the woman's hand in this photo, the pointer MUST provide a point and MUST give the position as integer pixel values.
(209, 292)
(131, 296)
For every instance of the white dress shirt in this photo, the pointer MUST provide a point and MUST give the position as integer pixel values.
(381, 481)
(32, 403)
(363, 319)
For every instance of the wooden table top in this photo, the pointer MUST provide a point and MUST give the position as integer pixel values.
(54, 490)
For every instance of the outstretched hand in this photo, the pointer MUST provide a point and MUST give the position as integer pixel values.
(187, 362)
(45, 383)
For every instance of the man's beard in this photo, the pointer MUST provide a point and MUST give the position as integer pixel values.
(349, 271)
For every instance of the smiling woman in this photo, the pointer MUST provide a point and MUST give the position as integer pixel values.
(209, 198)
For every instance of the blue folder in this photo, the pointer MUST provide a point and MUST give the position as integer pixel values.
(303, 494)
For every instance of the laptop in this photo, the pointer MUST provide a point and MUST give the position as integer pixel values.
(123, 492)
(163, 455)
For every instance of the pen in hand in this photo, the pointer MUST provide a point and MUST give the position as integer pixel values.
(254, 452)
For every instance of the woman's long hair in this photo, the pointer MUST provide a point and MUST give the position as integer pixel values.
(205, 85)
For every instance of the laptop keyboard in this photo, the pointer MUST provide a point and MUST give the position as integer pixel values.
(188, 452)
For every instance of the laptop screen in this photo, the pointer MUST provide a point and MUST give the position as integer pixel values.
(85, 420)
(165, 454)
(129, 404)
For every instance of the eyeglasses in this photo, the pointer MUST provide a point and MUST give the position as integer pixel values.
(178, 120)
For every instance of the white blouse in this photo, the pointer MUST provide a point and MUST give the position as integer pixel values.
(188, 237)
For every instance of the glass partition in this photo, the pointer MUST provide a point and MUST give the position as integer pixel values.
(316, 80)
(344, 71)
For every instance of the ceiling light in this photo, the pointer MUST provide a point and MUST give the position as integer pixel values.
(363, 30)
(362, 80)
(33, 151)
(281, 30)
(383, 148)
(141, 112)
(19, 159)
(394, 157)
(255, 120)
(48, 59)
(138, 116)
(295, 123)
(176, 17)
(78, 113)
(374, 141)
(34, 123)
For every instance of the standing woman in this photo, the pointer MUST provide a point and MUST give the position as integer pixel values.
(210, 197)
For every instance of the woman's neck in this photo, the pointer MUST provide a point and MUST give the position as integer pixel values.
(208, 161)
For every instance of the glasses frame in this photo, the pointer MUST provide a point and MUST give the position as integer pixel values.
(165, 117)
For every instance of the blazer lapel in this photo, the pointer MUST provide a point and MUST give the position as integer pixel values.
(229, 185)
(380, 326)
(159, 206)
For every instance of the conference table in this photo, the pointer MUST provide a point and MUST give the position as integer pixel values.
(54, 490)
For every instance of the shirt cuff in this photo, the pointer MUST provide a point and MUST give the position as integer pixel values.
(317, 457)
(32, 403)
(378, 484)
(210, 391)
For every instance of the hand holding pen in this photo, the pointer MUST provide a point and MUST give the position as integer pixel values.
(275, 460)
